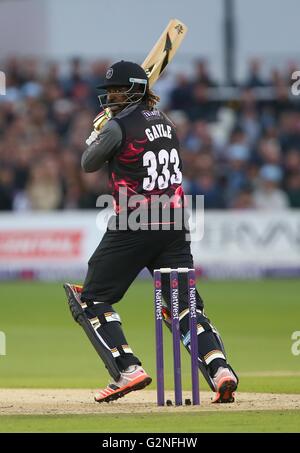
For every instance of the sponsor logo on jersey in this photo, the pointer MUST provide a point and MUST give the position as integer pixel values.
(151, 115)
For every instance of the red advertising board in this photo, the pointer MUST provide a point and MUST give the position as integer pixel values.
(41, 244)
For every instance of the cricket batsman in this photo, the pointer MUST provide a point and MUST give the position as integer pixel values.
(141, 147)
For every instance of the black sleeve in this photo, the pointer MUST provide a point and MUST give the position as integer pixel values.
(102, 149)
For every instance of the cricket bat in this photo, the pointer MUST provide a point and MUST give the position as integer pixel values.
(158, 58)
(164, 50)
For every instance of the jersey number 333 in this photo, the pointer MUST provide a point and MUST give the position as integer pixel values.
(170, 173)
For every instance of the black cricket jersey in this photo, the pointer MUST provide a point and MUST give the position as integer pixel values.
(148, 161)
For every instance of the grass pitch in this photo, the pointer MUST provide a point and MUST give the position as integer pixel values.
(235, 422)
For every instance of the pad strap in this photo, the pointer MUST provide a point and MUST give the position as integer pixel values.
(212, 355)
(104, 318)
(120, 350)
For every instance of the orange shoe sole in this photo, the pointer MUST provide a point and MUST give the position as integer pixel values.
(226, 391)
(138, 384)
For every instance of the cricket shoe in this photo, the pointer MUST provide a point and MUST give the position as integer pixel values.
(134, 378)
(226, 384)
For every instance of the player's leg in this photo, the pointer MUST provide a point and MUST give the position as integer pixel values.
(212, 357)
(103, 327)
(114, 265)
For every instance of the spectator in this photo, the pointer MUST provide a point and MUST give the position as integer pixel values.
(44, 189)
(202, 74)
(269, 152)
(236, 173)
(198, 137)
(181, 95)
(97, 76)
(201, 107)
(76, 86)
(282, 102)
(62, 117)
(255, 78)
(243, 199)
(207, 185)
(248, 117)
(289, 127)
(268, 195)
(6, 188)
(292, 161)
(293, 190)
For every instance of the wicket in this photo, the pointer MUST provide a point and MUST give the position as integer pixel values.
(174, 297)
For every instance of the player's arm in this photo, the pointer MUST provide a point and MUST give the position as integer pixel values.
(103, 148)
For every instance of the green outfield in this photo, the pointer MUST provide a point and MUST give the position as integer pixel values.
(264, 422)
(46, 349)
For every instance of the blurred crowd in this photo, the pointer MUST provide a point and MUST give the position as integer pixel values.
(240, 147)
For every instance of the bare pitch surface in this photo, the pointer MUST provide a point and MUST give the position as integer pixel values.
(80, 401)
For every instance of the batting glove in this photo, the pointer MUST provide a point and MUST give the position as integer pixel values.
(92, 137)
(101, 119)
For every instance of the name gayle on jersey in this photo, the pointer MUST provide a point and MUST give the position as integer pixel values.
(158, 131)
